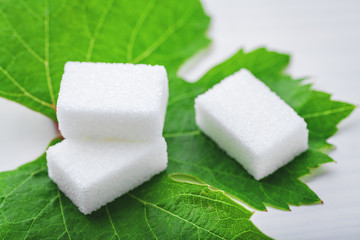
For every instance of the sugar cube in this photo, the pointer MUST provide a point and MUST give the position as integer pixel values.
(112, 101)
(92, 173)
(251, 123)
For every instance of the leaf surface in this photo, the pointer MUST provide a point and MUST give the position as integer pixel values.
(193, 153)
(32, 57)
(37, 39)
(160, 209)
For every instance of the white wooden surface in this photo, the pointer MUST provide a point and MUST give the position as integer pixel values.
(323, 38)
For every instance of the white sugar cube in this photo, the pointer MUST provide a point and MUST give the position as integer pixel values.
(92, 173)
(112, 101)
(251, 123)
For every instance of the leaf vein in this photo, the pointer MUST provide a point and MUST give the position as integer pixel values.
(20, 39)
(171, 30)
(327, 112)
(181, 134)
(147, 222)
(30, 10)
(111, 222)
(38, 215)
(144, 15)
(46, 52)
(62, 214)
(22, 89)
(209, 199)
(11, 94)
(237, 177)
(62, 234)
(85, 21)
(21, 183)
(98, 28)
(183, 97)
(174, 215)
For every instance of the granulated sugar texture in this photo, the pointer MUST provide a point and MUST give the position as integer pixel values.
(251, 123)
(92, 173)
(112, 117)
(112, 100)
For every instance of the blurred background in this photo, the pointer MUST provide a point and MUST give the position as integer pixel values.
(323, 38)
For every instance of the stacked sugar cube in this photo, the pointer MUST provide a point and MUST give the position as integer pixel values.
(111, 116)
(251, 123)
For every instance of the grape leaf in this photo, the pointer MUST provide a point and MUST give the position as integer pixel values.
(162, 32)
(193, 153)
(155, 32)
(32, 55)
(159, 209)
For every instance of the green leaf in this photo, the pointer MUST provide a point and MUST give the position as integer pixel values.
(32, 55)
(160, 209)
(31, 65)
(193, 153)
(32, 58)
